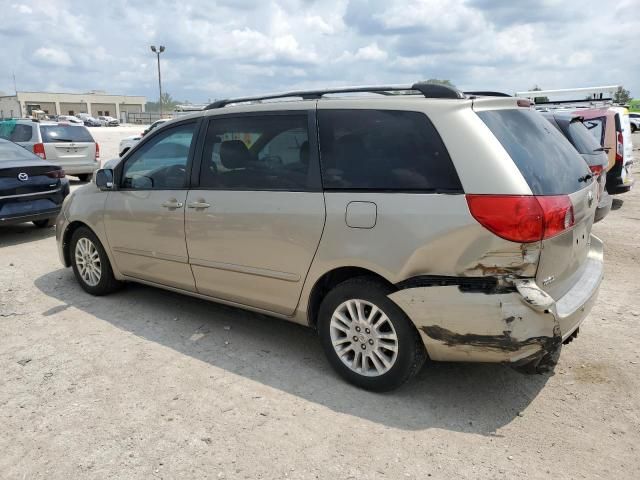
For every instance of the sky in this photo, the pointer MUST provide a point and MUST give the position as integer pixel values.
(217, 49)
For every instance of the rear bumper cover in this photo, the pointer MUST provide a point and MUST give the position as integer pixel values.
(515, 327)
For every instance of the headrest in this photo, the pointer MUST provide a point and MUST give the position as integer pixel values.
(304, 153)
(234, 154)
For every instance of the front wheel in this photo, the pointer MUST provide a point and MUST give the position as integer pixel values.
(85, 177)
(367, 338)
(90, 263)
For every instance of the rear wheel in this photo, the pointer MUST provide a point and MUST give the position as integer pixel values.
(46, 223)
(90, 263)
(85, 177)
(367, 338)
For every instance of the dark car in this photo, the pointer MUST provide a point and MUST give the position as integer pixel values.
(571, 126)
(31, 189)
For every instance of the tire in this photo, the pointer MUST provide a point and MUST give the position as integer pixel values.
(46, 223)
(371, 373)
(85, 177)
(101, 283)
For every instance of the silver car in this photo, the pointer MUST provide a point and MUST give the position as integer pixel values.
(70, 146)
(424, 224)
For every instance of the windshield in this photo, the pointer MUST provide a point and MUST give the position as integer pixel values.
(10, 152)
(547, 161)
(65, 133)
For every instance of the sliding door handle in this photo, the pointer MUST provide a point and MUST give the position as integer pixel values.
(201, 204)
(172, 204)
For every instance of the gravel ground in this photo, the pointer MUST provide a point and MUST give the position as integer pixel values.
(150, 384)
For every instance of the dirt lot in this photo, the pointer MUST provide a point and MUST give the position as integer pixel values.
(146, 384)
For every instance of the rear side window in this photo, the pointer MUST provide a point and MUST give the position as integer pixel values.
(65, 133)
(580, 137)
(547, 161)
(16, 132)
(257, 152)
(384, 150)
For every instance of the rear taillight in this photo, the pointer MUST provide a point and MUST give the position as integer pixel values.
(619, 147)
(522, 218)
(97, 151)
(38, 149)
(56, 174)
(596, 169)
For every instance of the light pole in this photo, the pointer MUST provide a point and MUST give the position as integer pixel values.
(158, 51)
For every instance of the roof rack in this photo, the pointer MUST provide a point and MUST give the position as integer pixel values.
(429, 90)
(486, 93)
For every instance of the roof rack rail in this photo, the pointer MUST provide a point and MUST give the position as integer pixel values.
(429, 90)
(587, 100)
(487, 93)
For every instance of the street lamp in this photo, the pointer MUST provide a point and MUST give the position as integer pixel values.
(158, 51)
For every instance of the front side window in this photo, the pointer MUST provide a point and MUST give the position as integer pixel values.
(161, 163)
(384, 150)
(266, 152)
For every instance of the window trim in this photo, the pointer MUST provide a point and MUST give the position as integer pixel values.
(119, 169)
(414, 191)
(313, 176)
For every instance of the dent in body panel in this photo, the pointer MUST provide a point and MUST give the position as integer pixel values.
(479, 327)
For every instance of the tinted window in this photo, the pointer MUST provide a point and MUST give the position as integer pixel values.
(269, 152)
(161, 163)
(10, 152)
(547, 161)
(580, 137)
(16, 132)
(383, 150)
(65, 133)
(595, 126)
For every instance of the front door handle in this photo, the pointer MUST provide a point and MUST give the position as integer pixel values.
(172, 204)
(199, 204)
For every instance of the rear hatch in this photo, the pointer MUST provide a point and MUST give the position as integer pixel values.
(562, 183)
(68, 145)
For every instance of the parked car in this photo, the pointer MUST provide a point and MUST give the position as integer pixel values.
(634, 120)
(31, 189)
(605, 124)
(109, 121)
(571, 126)
(70, 118)
(70, 146)
(625, 124)
(129, 142)
(90, 121)
(399, 227)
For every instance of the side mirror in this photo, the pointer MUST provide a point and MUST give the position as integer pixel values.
(104, 179)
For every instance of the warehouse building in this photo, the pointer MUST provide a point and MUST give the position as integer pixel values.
(94, 103)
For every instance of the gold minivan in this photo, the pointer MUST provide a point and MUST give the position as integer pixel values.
(423, 224)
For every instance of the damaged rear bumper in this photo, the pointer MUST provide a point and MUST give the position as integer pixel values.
(519, 325)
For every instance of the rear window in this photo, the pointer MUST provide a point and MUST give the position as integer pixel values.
(10, 152)
(65, 133)
(581, 139)
(384, 150)
(595, 126)
(16, 132)
(547, 161)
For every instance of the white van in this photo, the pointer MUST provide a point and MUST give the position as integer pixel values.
(626, 132)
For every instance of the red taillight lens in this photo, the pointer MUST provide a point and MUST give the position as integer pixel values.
(38, 149)
(522, 218)
(97, 151)
(619, 147)
(596, 169)
(56, 174)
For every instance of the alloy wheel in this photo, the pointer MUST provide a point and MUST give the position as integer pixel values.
(88, 261)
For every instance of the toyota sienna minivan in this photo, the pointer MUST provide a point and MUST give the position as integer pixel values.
(424, 224)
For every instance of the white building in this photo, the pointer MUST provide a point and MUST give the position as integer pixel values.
(94, 103)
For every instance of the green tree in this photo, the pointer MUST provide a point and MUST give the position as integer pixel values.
(536, 88)
(168, 104)
(622, 95)
(439, 81)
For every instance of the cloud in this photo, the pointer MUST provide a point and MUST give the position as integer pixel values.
(243, 47)
(52, 56)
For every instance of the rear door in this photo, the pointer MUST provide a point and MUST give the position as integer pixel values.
(68, 145)
(254, 222)
(554, 170)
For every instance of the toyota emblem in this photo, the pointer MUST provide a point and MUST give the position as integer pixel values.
(589, 198)
(23, 177)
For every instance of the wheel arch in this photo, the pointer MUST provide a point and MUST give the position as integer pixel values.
(66, 239)
(329, 280)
